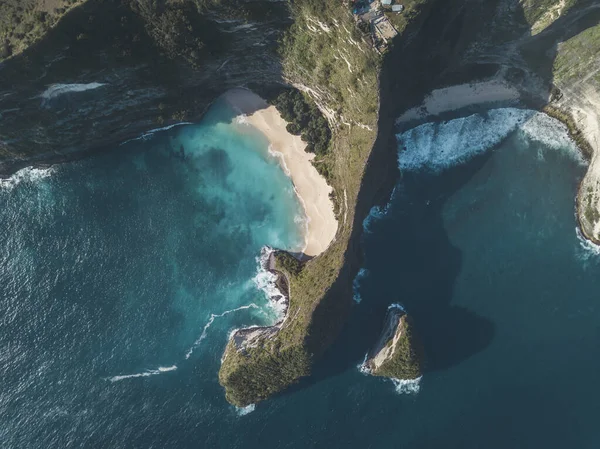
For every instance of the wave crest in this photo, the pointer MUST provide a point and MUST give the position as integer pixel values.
(438, 146)
(209, 323)
(147, 373)
(29, 174)
(407, 386)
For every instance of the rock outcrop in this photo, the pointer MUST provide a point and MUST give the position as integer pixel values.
(398, 353)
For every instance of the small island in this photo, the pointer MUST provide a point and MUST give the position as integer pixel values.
(398, 353)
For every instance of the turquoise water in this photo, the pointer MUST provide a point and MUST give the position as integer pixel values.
(117, 275)
(114, 266)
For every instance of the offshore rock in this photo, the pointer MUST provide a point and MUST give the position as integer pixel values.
(398, 353)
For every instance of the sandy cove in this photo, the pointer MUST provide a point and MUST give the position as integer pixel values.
(461, 96)
(312, 188)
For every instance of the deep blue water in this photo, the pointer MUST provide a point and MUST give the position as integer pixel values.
(113, 267)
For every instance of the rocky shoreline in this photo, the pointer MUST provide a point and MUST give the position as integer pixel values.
(277, 290)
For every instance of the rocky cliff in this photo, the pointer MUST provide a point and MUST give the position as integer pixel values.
(109, 70)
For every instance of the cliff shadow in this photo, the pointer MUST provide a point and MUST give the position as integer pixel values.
(407, 75)
(430, 265)
(124, 69)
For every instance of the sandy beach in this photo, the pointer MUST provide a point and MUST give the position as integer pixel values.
(460, 96)
(311, 188)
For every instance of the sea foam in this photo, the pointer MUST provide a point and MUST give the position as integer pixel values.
(29, 174)
(150, 133)
(362, 273)
(407, 386)
(587, 248)
(243, 411)
(436, 147)
(147, 373)
(54, 90)
(57, 90)
(266, 281)
(209, 323)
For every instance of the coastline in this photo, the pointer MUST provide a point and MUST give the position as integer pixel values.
(311, 188)
(577, 114)
(580, 114)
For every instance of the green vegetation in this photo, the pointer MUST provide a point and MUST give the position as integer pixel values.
(544, 12)
(287, 263)
(325, 51)
(176, 27)
(256, 374)
(23, 22)
(407, 359)
(591, 213)
(577, 57)
(304, 119)
(412, 9)
(324, 54)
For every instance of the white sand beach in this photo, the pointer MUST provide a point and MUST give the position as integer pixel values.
(460, 96)
(311, 188)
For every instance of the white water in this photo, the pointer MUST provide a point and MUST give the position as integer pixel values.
(587, 248)
(397, 306)
(436, 147)
(209, 323)
(266, 282)
(147, 373)
(243, 411)
(362, 274)
(407, 386)
(28, 174)
(55, 90)
(149, 134)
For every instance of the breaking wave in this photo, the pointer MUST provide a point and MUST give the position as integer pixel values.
(28, 174)
(436, 147)
(243, 411)
(378, 212)
(147, 373)
(362, 367)
(59, 89)
(587, 248)
(266, 281)
(397, 306)
(209, 323)
(149, 134)
(407, 386)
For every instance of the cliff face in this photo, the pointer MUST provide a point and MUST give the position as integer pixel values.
(110, 70)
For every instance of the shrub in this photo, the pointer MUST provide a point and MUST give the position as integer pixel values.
(304, 119)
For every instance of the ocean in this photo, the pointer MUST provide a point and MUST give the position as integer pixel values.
(122, 275)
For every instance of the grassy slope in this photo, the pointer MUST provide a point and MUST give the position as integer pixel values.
(578, 57)
(23, 22)
(544, 12)
(412, 8)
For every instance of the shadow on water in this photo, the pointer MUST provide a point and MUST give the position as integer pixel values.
(421, 265)
(412, 262)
